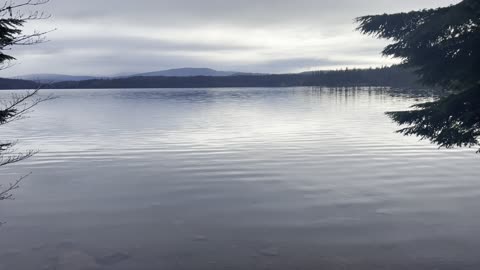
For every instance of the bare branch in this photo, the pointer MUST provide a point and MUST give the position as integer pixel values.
(10, 5)
(6, 194)
(6, 64)
(30, 39)
(10, 158)
(12, 19)
(15, 109)
(19, 105)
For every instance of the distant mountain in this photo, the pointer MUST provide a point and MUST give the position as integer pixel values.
(188, 72)
(54, 78)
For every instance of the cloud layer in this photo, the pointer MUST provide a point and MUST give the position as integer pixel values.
(115, 36)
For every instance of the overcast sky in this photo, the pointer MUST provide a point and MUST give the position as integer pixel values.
(106, 37)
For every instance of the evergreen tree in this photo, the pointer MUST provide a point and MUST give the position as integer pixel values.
(443, 47)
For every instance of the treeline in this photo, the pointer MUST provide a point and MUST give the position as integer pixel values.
(388, 76)
(17, 84)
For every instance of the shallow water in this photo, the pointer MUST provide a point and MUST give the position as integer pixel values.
(289, 178)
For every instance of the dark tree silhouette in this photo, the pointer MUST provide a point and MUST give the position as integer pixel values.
(443, 47)
(12, 19)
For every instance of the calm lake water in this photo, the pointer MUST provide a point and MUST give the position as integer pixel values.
(289, 178)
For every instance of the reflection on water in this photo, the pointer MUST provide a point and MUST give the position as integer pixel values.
(291, 178)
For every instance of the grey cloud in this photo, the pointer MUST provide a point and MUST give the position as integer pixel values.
(128, 45)
(103, 64)
(111, 36)
(233, 12)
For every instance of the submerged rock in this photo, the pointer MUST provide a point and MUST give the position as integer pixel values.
(66, 244)
(270, 252)
(200, 238)
(76, 260)
(113, 258)
(39, 247)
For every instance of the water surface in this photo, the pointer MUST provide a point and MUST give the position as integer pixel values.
(288, 178)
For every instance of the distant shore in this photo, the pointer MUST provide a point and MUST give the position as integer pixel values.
(388, 76)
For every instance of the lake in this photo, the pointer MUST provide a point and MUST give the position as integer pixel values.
(281, 178)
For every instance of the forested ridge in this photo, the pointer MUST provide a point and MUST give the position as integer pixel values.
(387, 76)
